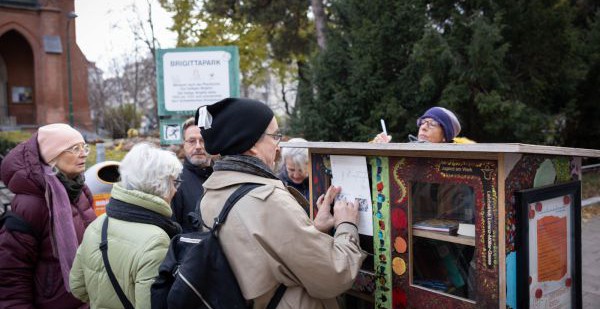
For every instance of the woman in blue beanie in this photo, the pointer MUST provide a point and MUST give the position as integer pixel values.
(437, 125)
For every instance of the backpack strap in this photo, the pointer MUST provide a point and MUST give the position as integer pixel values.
(113, 280)
(277, 297)
(231, 201)
(233, 198)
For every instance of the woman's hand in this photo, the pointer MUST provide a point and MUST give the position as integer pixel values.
(382, 138)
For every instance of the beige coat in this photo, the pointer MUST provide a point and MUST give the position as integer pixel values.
(268, 239)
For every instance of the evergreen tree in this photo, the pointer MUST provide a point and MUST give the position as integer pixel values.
(513, 71)
(357, 79)
(583, 114)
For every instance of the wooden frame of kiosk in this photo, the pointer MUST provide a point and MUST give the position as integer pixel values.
(458, 226)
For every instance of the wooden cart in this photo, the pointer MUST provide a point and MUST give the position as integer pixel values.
(525, 249)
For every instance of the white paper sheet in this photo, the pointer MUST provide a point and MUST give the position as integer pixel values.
(350, 173)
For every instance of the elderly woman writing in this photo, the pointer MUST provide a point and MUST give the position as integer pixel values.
(46, 175)
(137, 227)
(436, 125)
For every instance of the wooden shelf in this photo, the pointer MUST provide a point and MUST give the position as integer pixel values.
(458, 239)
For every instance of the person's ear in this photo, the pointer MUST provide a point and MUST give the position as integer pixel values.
(252, 151)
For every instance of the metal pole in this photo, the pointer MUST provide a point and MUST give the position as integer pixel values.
(70, 16)
(100, 153)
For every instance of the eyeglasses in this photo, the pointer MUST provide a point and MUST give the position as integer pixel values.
(79, 148)
(430, 123)
(194, 142)
(177, 182)
(276, 136)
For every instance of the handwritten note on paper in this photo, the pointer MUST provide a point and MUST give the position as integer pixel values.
(350, 173)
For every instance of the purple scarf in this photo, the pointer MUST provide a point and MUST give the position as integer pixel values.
(62, 231)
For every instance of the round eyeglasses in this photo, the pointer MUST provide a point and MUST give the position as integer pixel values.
(430, 123)
(194, 142)
(79, 149)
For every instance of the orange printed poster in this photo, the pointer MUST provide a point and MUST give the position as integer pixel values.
(552, 248)
(100, 201)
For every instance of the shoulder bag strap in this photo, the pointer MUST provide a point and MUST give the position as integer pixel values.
(113, 280)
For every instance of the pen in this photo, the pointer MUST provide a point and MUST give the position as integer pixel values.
(383, 127)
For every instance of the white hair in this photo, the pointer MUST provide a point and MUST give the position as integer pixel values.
(298, 155)
(149, 169)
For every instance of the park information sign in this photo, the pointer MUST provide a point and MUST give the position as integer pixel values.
(188, 78)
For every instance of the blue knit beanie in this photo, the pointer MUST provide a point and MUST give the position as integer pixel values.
(446, 118)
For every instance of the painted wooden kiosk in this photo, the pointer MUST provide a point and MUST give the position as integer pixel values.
(522, 201)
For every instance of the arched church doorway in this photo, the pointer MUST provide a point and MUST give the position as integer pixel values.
(18, 87)
(4, 120)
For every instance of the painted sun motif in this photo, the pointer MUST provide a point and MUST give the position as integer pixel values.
(399, 266)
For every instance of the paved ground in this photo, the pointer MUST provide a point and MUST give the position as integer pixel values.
(590, 262)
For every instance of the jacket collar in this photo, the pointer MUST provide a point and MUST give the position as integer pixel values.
(221, 179)
(201, 171)
(141, 199)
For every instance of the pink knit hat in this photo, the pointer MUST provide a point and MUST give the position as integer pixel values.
(55, 138)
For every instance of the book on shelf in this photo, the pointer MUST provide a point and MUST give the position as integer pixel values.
(437, 225)
(466, 229)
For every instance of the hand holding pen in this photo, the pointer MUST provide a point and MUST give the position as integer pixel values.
(382, 137)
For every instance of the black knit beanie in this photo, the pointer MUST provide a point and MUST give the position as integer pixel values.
(237, 124)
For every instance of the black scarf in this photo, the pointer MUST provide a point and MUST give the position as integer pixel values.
(128, 212)
(201, 171)
(245, 164)
(73, 186)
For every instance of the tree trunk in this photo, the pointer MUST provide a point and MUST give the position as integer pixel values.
(320, 22)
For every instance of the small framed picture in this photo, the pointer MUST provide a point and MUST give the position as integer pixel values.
(21, 94)
(549, 246)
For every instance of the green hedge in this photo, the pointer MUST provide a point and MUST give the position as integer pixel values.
(10, 139)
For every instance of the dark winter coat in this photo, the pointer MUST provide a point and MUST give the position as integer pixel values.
(188, 194)
(30, 271)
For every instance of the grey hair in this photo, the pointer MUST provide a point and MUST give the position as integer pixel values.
(298, 155)
(149, 169)
(188, 123)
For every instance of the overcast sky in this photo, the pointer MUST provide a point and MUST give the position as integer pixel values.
(103, 28)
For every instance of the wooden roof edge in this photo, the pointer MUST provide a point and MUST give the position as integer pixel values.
(446, 147)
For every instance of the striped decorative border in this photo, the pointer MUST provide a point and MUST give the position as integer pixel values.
(381, 232)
